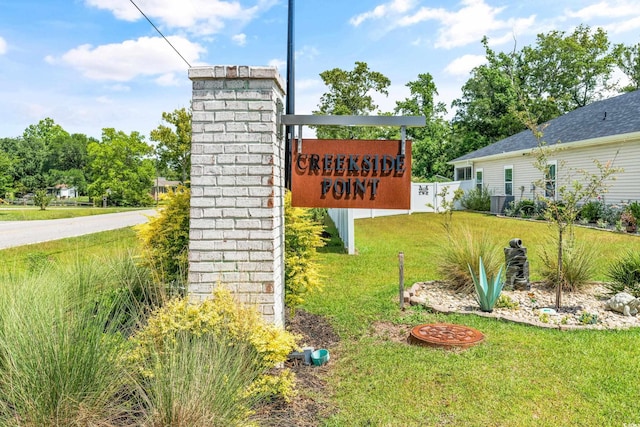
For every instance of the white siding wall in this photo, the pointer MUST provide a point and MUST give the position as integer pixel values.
(625, 187)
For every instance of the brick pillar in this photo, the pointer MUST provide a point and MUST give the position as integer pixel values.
(237, 186)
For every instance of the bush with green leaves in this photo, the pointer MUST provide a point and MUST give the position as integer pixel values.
(477, 199)
(578, 266)
(462, 252)
(42, 199)
(229, 323)
(591, 211)
(611, 213)
(524, 208)
(165, 241)
(302, 237)
(624, 273)
(634, 208)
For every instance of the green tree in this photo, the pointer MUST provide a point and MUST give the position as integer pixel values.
(628, 60)
(350, 93)
(430, 143)
(174, 143)
(70, 152)
(43, 137)
(486, 111)
(6, 179)
(121, 169)
(572, 69)
(557, 74)
(42, 152)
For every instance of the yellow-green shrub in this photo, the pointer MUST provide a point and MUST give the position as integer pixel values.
(227, 320)
(165, 239)
(302, 236)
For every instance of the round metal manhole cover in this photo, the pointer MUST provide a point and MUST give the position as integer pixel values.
(445, 335)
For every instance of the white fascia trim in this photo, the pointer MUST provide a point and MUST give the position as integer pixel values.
(604, 140)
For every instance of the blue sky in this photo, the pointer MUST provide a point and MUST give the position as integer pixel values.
(90, 64)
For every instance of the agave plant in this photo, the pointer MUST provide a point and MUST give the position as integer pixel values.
(487, 289)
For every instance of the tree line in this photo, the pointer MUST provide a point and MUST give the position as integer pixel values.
(559, 72)
(120, 166)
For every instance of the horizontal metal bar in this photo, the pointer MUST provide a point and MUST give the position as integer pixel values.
(314, 120)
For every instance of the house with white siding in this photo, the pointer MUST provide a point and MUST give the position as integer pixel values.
(607, 130)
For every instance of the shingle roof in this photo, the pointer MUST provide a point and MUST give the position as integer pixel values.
(613, 116)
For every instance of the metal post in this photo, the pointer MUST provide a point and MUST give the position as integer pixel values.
(401, 269)
(291, 96)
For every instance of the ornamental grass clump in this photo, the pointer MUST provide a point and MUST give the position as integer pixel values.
(488, 288)
(199, 382)
(464, 249)
(578, 265)
(60, 350)
(624, 273)
(221, 325)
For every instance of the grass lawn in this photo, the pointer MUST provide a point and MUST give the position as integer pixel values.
(101, 245)
(21, 213)
(520, 375)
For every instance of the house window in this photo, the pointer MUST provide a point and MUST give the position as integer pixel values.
(463, 174)
(479, 180)
(550, 179)
(508, 180)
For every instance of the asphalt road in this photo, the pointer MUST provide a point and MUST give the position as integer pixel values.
(19, 233)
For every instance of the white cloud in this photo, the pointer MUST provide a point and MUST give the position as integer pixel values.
(463, 65)
(309, 84)
(308, 52)
(279, 64)
(201, 17)
(168, 79)
(623, 26)
(104, 100)
(469, 24)
(129, 59)
(473, 20)
(118, 87)
(621, 16)
(605, 9)
(239, 39)
(395, 7)
(3, 46)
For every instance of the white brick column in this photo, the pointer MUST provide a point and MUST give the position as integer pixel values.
(237, 186)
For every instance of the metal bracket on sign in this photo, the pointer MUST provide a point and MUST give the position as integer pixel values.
(403, 133)
(299, 139)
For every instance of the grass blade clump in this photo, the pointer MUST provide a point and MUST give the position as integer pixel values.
(463, 249)
(200, 382)
(624, 273)
(60, 352)
(578, 265)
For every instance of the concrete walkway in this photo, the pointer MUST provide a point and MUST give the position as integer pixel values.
(19, 233)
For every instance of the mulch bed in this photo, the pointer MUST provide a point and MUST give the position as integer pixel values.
(310, 405)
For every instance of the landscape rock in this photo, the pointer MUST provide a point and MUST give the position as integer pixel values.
(526, 306)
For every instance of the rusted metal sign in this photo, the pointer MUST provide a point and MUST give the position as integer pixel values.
(372, 174)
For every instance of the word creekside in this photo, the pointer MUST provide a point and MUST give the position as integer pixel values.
(370, 174)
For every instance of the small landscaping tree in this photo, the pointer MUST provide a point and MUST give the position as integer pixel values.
(42, 199)
(563, 203)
